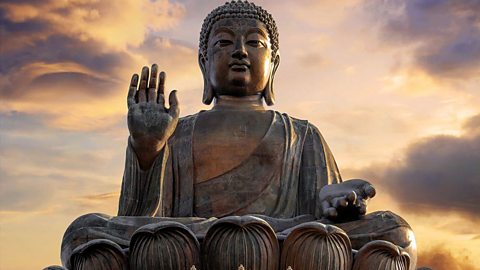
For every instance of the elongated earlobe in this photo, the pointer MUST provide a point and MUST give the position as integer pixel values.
(268, 93)
(208, 93)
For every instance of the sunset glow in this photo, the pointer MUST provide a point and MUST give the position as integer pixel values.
(393, 85)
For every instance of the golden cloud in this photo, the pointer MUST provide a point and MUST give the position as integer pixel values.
(72, 60)
(441, 258)
(115, 23)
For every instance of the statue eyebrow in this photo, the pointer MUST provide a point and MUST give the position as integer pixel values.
(257, 30)
(223, 29)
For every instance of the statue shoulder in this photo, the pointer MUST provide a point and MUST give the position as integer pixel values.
(187, 120)
(184, 128)
(301, 124)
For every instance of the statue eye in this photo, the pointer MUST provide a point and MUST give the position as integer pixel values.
(223, 42)
(256, 43)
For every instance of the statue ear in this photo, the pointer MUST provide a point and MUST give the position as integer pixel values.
(268, 93)
(207, 87)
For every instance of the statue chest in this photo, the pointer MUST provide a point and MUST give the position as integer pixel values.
(238, 160)
(223, 140)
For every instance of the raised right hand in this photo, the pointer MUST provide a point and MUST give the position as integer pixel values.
(150, 123)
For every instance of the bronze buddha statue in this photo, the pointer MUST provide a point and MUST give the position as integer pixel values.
(236, 159)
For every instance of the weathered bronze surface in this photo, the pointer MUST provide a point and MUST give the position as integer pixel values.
(236, 159)
(245, 241)
(380, 254)
(99, 254)
(165, 245)
(55, 267)
(314, 245)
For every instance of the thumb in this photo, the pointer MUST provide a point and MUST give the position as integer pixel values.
(173, 111)
(369, 190)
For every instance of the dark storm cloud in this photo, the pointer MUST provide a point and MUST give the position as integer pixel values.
(10, 29)
(62, 48)
(440, 173)
(90, 85)
(445, 34)
(34, 41)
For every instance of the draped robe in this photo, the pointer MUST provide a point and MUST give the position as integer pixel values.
(281, 178)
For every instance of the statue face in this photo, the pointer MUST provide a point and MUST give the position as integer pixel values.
(239, 57)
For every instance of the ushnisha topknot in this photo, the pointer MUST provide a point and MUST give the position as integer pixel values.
(238, 9)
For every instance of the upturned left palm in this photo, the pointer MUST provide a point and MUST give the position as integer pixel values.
(347, 200)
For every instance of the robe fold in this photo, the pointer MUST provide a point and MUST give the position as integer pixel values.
(281, 178)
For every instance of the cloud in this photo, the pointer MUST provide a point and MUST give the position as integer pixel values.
(41, 167)
(472, 125)
(99, 197)
(114, 23)
(440, 258)
(173, 55)
(179, 60)
(444, 36)
(69, 62)
(439, 173)
(50, 59)
(97, 200)
(27, 192)
(464, 227)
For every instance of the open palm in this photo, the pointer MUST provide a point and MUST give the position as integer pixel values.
(150, 123)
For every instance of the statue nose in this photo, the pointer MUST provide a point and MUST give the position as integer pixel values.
(239, 52)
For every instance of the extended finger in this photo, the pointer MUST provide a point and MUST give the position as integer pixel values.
(161, 83)
(369, 190)
(161, 89)
(339, 201)
(131, 90)
(351, 197)
(325, 206)
(361, 204)
(152, 84)
(173, 111)
(332, 212)
(142, 97)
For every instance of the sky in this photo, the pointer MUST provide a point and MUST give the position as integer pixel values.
(393, 85)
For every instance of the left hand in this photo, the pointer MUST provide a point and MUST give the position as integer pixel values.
(347, 200)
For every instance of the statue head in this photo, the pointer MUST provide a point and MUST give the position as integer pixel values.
(238, 52)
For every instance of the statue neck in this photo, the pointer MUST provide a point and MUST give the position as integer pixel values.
(232, 103)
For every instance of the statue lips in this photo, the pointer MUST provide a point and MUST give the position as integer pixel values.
(239, 66)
